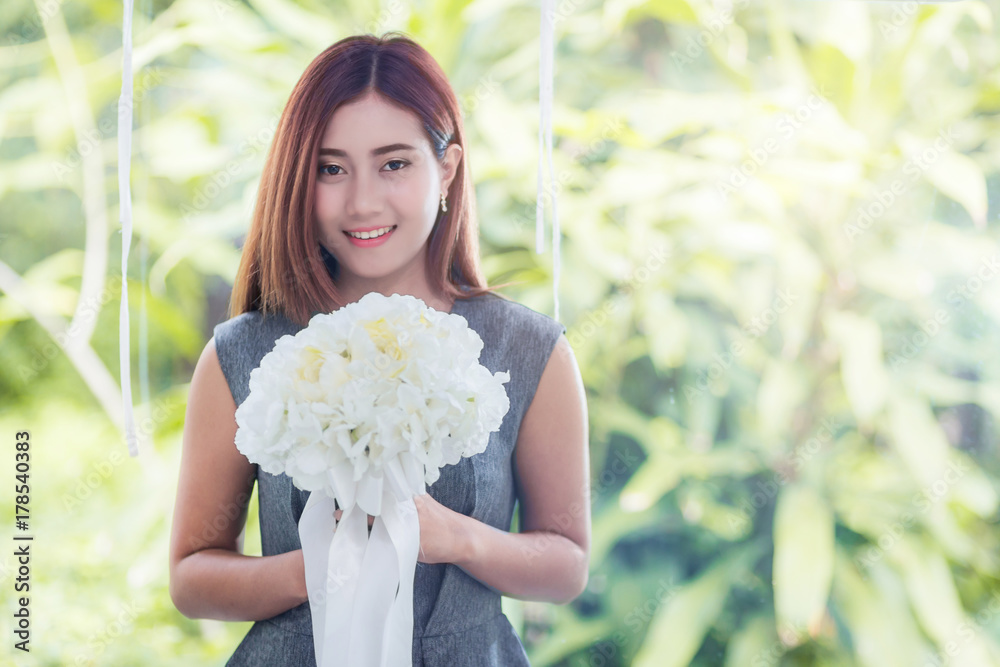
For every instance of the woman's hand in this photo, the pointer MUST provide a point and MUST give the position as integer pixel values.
(441, 537)
(337, 513)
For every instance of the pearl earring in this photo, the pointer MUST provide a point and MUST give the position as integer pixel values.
(444, 203)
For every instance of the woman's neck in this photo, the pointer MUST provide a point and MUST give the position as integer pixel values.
(351, 288)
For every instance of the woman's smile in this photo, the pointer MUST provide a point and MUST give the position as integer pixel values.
(367, 238)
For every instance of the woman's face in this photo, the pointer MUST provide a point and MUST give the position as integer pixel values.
(377, 173)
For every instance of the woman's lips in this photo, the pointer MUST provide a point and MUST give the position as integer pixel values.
(370, 243)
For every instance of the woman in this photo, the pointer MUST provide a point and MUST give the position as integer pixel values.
(366, 188)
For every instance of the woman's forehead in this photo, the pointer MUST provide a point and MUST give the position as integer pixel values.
(359, 131)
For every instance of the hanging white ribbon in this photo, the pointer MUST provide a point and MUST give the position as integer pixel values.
(545, 86)
(125, 213)
(361, 586)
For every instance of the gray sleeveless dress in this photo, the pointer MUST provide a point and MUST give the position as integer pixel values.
(458, 620)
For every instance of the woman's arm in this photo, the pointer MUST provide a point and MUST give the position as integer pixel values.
(209, 577)
(549, 559)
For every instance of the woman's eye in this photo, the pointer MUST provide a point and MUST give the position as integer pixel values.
(323, 168)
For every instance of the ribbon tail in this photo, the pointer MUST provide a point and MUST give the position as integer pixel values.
(316, 530)
(347, 551)
(378, 583)
(360, 586)
(332, 571)
(403, 528)
(125, 207)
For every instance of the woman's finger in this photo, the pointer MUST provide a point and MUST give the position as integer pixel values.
(337, 513)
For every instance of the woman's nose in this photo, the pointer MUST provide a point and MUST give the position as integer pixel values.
(364, 199)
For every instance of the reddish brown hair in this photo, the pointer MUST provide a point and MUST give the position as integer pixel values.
(282, 268)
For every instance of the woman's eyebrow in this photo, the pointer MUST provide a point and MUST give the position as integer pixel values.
(336, 152)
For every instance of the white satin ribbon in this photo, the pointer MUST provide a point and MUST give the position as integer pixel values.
(361, 586)
(125, 209)
(545, 86)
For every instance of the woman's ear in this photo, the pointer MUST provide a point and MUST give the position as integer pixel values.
(452, 158)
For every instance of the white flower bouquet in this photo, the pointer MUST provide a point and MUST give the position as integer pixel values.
(363, 407)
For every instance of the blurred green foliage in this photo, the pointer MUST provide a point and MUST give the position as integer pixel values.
(778, 274)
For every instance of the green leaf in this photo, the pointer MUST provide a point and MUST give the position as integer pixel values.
(936, 602)
(680, 624)
(783, 388)
(619, 12)
(803, 558)
(668, 345)
(658, 475)
(614, 523)
(919, 440)
(862, 372)
(677, 632)
(959, 177)
(755, 643)
(880, 626)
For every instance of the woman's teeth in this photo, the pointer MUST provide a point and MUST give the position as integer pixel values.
(375, 233)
